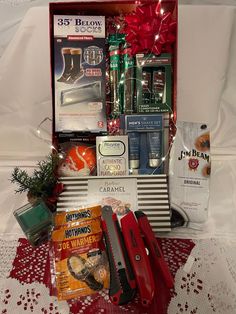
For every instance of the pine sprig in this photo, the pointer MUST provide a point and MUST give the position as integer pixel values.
(43, 180)
(22, 178)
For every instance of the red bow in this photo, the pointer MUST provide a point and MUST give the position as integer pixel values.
(56, 192)
(150, 29)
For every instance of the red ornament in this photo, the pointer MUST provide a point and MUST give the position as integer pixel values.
(80, 161)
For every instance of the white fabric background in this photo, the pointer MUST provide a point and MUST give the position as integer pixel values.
(206, 83)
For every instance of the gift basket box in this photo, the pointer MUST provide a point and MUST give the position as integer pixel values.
(113, 67)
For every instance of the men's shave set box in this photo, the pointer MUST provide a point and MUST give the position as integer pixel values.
(148, 142)
(79, 64)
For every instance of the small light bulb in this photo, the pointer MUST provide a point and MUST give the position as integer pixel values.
(162, 11)
(163, 158)
(156, 37)
(38, 131)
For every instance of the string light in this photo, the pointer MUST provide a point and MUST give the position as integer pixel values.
(40, 136)
(52, 147)
(122, 81)
(114, 122)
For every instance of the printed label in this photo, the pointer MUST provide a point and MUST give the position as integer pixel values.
(74, 216)
(121, 195)
(140, 123)
(112, 155)
(79, 25)
(190, 171)
(112, 148)
(81, 266)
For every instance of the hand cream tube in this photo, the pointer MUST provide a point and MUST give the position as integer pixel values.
(154, 143)
(134, 150)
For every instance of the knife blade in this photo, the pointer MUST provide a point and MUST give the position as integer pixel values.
(122, 282)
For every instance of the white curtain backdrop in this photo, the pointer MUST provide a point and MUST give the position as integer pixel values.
(206, 93)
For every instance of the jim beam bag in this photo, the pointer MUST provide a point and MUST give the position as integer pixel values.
(189, 173)
(78, 259)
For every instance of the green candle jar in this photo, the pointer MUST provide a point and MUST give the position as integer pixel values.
(36, 222)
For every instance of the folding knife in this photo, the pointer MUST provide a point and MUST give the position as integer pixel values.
(138, 258)
(154, 249)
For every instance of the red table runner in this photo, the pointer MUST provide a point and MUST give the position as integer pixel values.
(31, 265)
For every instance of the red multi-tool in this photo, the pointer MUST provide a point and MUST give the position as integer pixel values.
(128, 258)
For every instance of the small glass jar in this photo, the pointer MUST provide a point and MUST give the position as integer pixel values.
(36, 222)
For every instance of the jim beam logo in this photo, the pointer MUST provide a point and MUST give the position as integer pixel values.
(193, 157)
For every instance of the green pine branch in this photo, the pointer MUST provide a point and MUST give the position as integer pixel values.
(42, 182)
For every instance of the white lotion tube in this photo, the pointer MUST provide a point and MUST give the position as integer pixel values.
(154, 144)
(134, 149)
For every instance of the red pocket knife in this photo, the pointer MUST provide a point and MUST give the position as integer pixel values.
(138, 258)
(154, 249)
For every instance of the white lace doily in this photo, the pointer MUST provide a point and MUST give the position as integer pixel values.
(207, 282)
(33, 298)
(7, 255)
(16, 297)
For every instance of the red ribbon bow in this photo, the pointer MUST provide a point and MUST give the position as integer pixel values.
(56, 192)
(150, 29)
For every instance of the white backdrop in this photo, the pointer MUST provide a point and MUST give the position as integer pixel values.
(206, 93)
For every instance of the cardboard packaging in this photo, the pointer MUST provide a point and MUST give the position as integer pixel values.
(148, 142)
(78, 72)
(112, 155)
(154, 83)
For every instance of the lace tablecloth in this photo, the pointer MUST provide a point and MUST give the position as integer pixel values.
(25, 282)
(204, 270)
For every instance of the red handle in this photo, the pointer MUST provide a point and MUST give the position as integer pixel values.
(138, 258)
(154, 249)
(122, 285)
